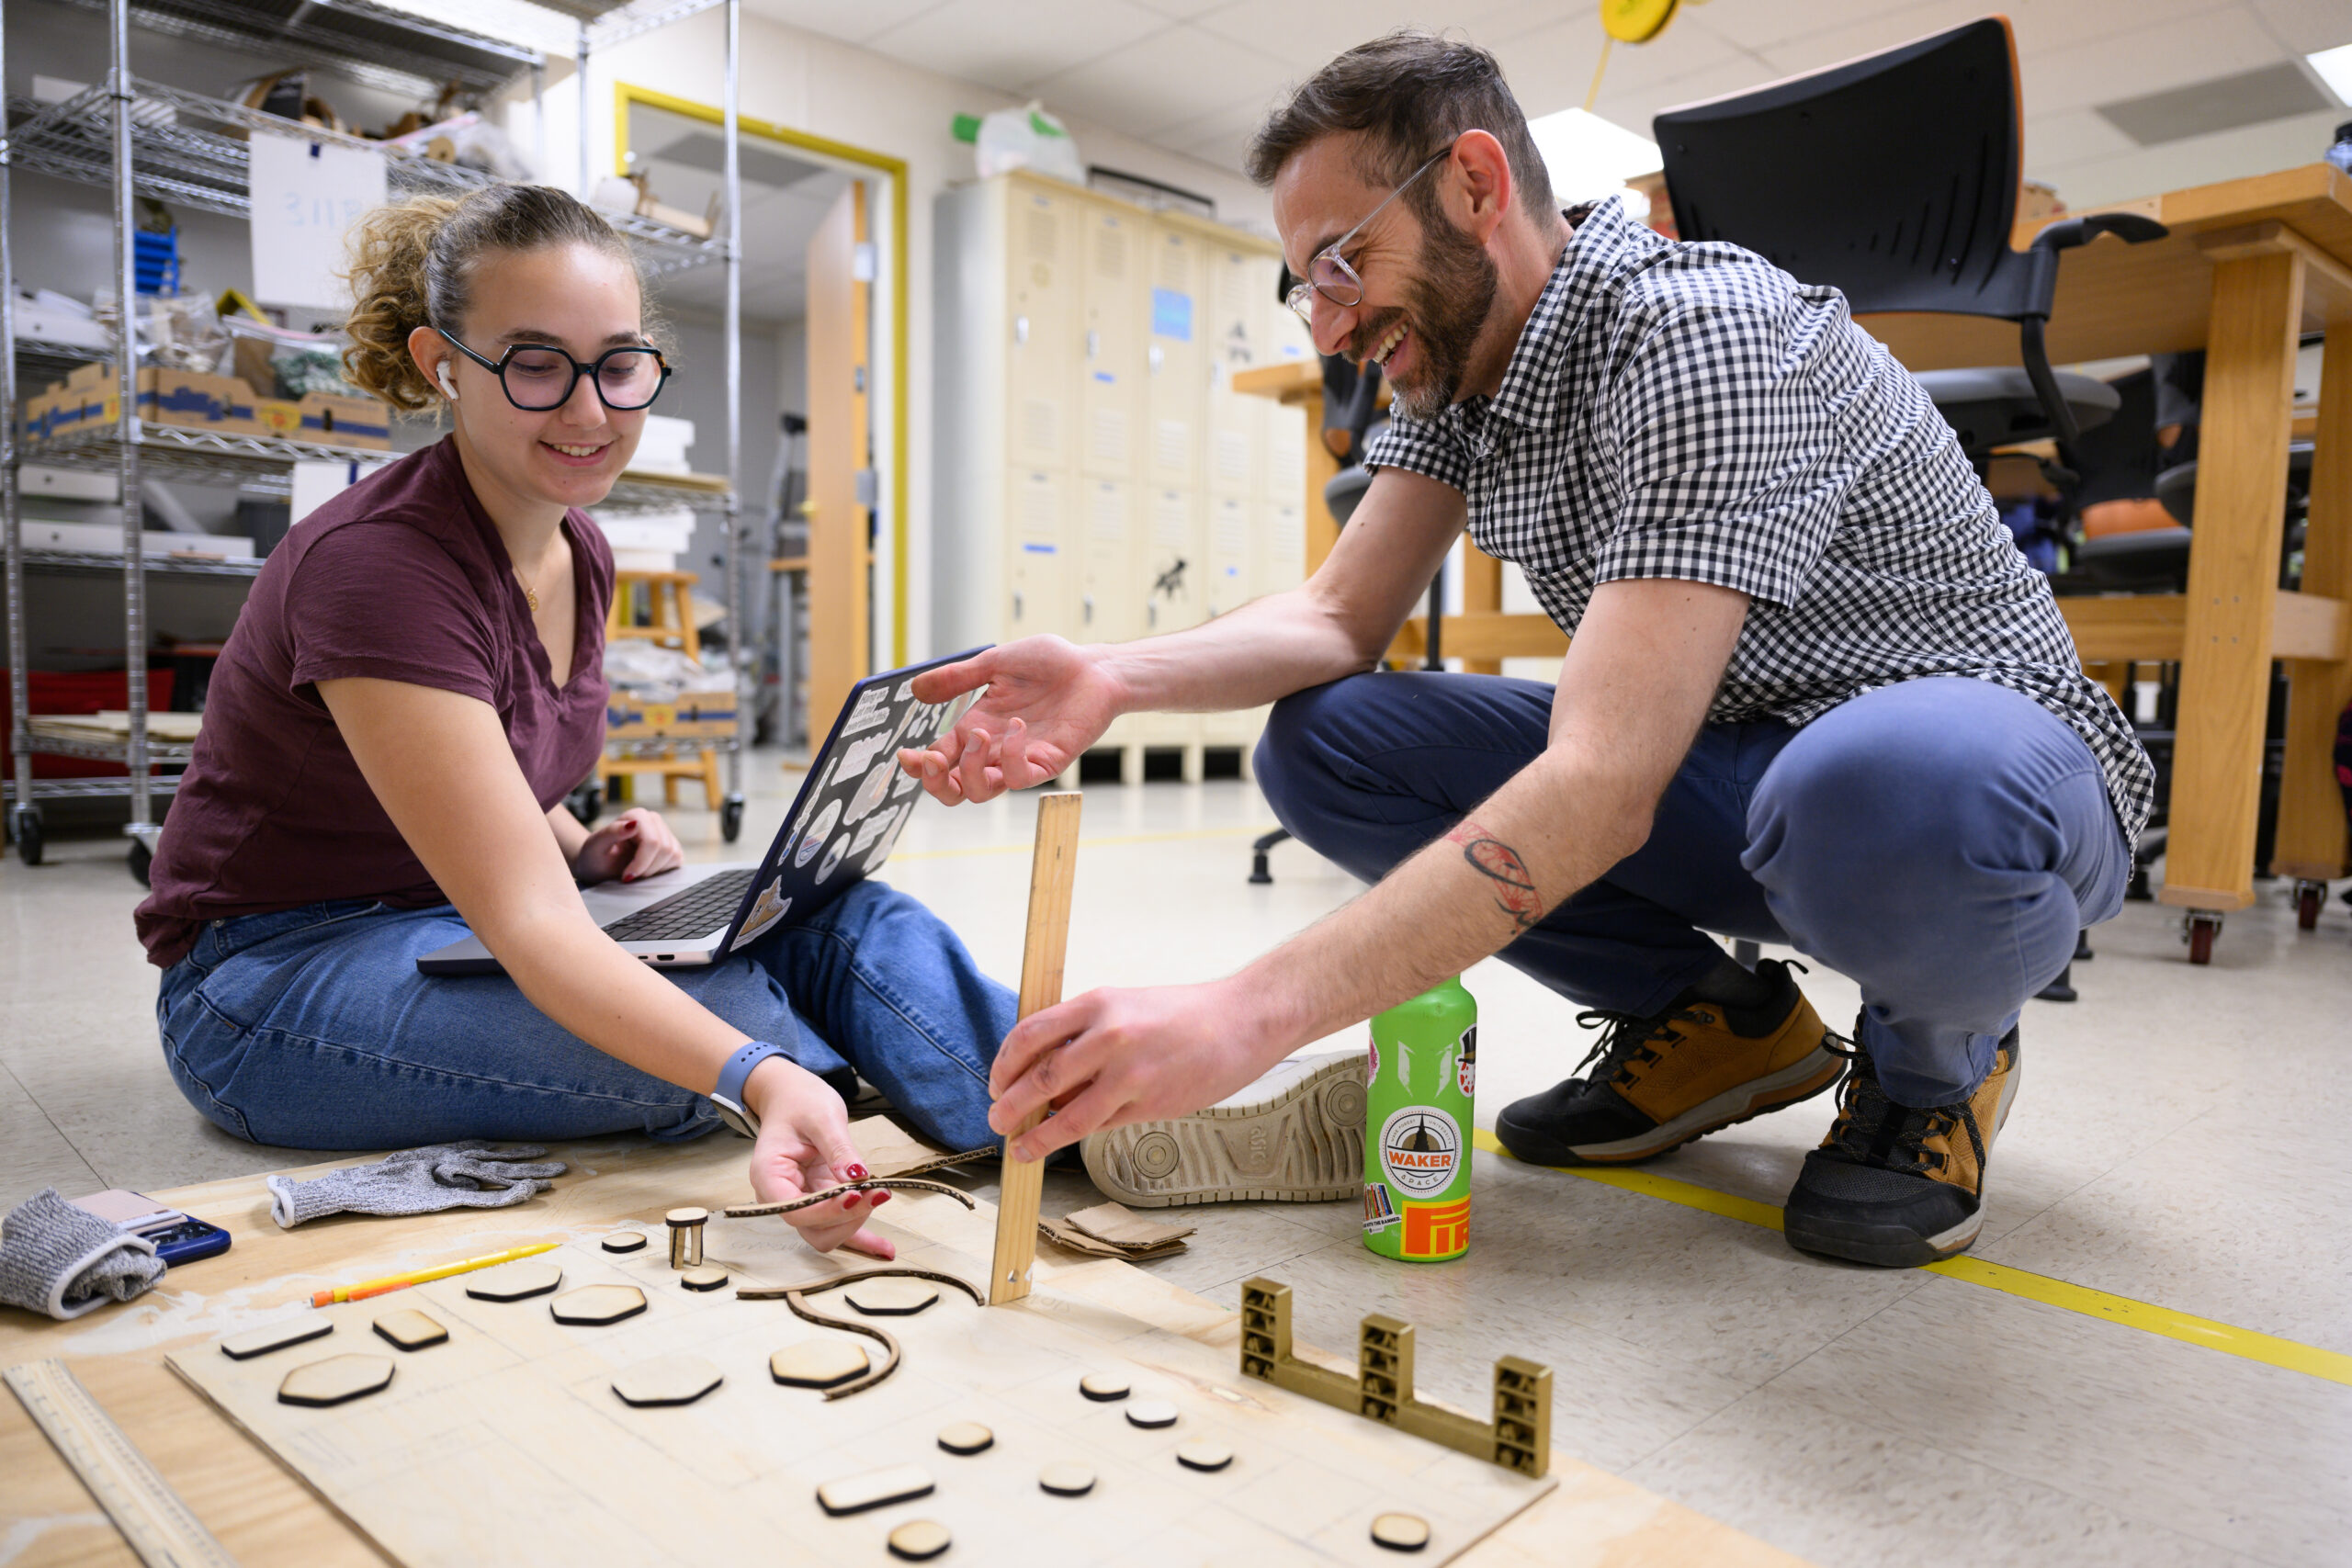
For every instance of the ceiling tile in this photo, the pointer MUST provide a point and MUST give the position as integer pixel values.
(1550, 68)
(2150, 171)
(2307, 26)
(1008, 44)
(852, 24)
(1167, 80)
(1761, 24)
(1309, 32)
(1835, 46)
(2069, 137)
(2127, 64)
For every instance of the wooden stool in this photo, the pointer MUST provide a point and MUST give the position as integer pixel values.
(668, 603)
(669, 766)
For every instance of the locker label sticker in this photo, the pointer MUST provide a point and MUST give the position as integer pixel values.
(1172, 314)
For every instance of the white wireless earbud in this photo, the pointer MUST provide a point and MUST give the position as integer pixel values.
(447, 385)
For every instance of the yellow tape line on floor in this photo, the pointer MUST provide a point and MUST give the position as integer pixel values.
(2145, 1316)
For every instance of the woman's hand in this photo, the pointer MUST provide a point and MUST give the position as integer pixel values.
(804, 1147)
(635, 843)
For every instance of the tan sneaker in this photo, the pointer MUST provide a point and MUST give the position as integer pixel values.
(1664, 1080)
(1295, 1137)
(1899, 1187)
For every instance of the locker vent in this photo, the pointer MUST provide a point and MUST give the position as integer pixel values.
(1111, 250)
(1170, 520)
(1173, 272)
(1110, 435)
(1232, 541)
(1110, 519)
(1041, 425)
(1173, 449)
(1037, 521)
(1044, 236)
(1233, 456)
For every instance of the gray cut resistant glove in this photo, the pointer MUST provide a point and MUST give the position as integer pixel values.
(471, 1174)
(64, 1261)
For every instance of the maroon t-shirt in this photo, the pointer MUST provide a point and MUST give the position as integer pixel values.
(403, 577)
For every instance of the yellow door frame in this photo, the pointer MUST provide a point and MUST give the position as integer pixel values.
(624, 94)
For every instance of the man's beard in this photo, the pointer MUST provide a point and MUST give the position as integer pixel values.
(1446, 305)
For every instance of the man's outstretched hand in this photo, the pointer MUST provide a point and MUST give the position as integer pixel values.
(1114, 1057)
(1046, 701)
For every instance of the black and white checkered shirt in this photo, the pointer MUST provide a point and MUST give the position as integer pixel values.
(1692, 412)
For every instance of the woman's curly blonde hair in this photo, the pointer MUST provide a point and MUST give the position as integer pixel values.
(412, 266)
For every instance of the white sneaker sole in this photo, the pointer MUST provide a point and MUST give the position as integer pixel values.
(1302, 1142)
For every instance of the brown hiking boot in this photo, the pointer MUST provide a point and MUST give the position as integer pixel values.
(1664, 1080)
(1895, 1186)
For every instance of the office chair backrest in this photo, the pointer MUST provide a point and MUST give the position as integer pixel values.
(1893, 179)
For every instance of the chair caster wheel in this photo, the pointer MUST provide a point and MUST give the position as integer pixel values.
(2198, 930)
(2308, 895)
(731, 819)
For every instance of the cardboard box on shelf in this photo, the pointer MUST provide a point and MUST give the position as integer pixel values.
(189, 399)
(344, 422)
(695, 716)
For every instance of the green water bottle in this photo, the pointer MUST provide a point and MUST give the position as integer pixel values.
(1420, 1084)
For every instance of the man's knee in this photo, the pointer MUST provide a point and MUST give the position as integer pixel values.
(1295, 755)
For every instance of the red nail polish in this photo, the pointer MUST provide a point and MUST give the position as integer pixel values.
(880, 1199)
(858, 1173)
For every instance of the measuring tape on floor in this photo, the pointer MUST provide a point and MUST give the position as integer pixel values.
(142, 1505)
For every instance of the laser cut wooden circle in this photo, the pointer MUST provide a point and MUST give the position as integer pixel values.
(818, 1363)
(410, 1329)
(890, 1298)
(594, 1306)
(1066, 1480)
(515, 1281)
(1152, 1414)
(967, 1438)
(678, 1219)
(334, 1379)
(1201, 1454)
(666, 1380)
(919, 1540)
(625, 1241)
(1401, 1532)
(708, 1277)
(1104, 1387)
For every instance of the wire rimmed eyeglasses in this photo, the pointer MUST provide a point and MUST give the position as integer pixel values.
(1329, 273)
(537, 378)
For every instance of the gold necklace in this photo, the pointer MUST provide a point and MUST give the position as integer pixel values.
(532, 597)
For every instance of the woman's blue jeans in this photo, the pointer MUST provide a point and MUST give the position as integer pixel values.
(311, 1027)
(1940, 842)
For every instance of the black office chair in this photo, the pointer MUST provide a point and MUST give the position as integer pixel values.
(1894, 179)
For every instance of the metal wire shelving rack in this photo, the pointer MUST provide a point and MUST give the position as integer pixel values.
(143, 138)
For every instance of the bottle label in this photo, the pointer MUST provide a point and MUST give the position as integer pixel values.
(1420, 1148)
(1466, 1070)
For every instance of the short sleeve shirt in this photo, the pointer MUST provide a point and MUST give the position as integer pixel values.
(403, 577)
(1692, 412)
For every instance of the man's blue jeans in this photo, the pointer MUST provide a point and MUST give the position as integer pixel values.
(1940, 842)
(311, 1027)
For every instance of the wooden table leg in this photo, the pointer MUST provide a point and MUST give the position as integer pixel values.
(1482, 595)
(2310, 805)
(1322, 468)
(2233, 579)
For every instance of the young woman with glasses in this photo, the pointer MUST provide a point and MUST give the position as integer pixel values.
(415, 685)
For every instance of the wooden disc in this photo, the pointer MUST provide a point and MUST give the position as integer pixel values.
(275, 1337)
(919, 1540)
(967, 1438)
(855, 1493)
(666, 1380)
(818, 1363)
(1104, 1387)
(598, 1305)
(410, 1329)
(678, 1219)
(1201, 1454)
(891, 1298)
(1151, 1413)
(515, 1281)
(1401, 1532)
(1066, 1480)
(709, 1277)
(334, 1379)
(625, 1241)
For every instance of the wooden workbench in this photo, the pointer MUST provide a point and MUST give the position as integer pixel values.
(266, 1518)
(2248, 266)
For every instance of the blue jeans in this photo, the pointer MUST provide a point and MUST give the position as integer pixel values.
(312, 1029)
(1940, 842)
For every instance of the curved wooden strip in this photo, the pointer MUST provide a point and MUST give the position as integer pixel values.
(793, 1296)
(899, 1183)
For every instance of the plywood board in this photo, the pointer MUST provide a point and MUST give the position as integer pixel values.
(513, 1431)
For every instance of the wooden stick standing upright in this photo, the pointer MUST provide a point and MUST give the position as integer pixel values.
(1051, 872)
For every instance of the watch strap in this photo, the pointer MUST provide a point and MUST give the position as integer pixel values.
(728, 1094)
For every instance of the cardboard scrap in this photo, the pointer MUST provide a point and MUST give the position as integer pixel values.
(1112, 1230)
(891, 1150)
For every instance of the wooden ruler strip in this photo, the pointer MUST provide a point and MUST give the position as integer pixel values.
(141, 1503)
(1053, 868)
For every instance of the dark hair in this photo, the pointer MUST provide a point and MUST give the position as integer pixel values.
(412, 266)
(1408, 94)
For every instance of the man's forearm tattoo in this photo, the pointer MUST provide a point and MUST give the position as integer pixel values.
(1514, 884)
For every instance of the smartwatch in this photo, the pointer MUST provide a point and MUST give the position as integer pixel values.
(728, 1098)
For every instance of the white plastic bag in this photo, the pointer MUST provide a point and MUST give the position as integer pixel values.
(1028, 138)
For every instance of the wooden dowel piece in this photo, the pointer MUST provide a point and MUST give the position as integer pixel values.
(1052, 871)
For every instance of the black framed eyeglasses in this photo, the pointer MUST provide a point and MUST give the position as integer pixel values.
(537, 378)
(1328, 272)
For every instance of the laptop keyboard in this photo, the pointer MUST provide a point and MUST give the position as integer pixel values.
(696, 911)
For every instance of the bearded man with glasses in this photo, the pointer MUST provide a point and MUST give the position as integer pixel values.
(1815, 696)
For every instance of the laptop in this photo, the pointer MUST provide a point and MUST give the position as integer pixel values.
(853, 805)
